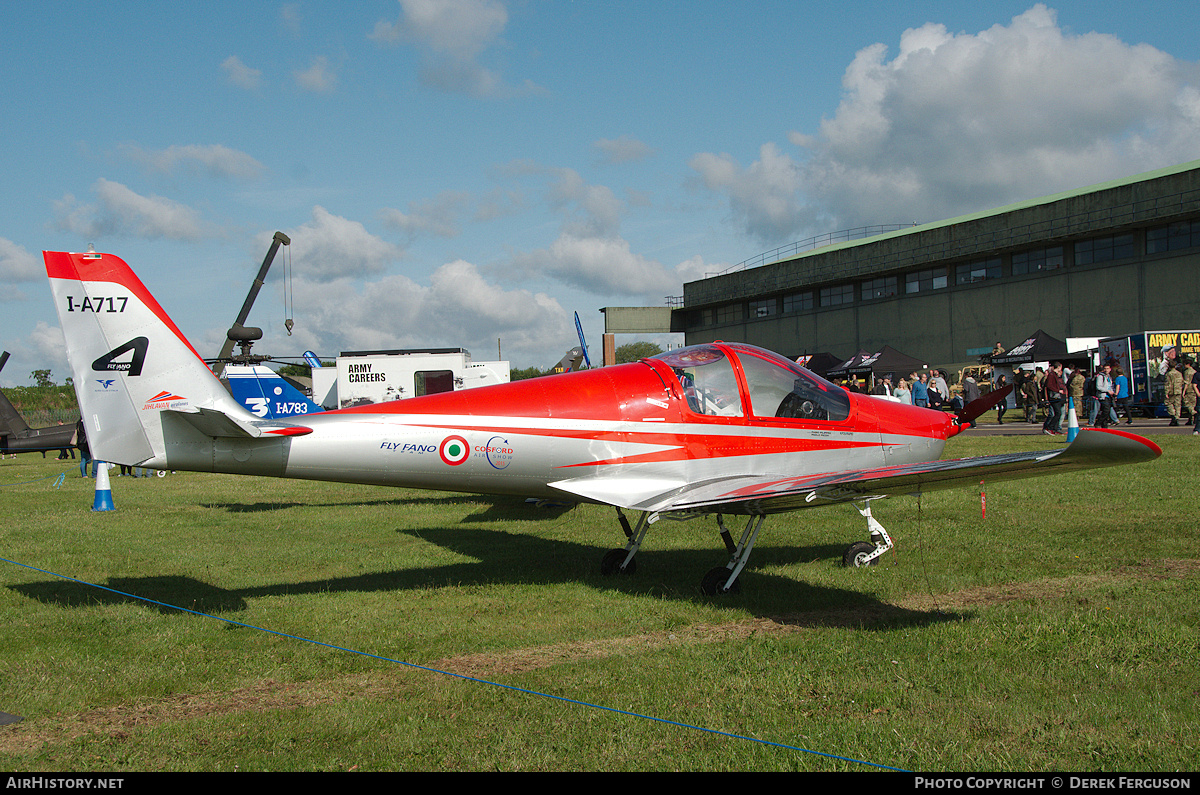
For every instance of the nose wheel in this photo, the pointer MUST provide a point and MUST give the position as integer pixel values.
(866, 553)
(859, 554)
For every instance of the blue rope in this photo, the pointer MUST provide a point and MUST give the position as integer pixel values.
(461, 676)
(58, 481)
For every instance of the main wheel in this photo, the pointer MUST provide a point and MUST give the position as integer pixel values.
(855, 556)
(611, 564)
(713, 583)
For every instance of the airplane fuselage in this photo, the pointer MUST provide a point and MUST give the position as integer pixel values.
(608, 435)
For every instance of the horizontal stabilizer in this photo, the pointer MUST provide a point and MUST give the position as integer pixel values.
(220, 425)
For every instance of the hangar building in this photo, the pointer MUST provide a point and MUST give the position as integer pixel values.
(1105, 260)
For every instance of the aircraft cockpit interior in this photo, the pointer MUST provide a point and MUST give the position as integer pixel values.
(706, 375)
(776, 387)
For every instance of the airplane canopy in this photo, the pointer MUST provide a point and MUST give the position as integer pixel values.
(775, 386)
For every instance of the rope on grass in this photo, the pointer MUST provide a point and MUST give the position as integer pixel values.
(59, 479)
(427, 669)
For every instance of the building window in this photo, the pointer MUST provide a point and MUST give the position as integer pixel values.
(1041, 259)
(1103, 249)
(977, 271)
(836, 296)
(1184, 234)
(730, 313)
(763, 308)
(883, 287)
(797, 302)
(922, 281)
(701, 318)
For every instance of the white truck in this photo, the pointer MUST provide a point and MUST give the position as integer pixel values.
(361, 377)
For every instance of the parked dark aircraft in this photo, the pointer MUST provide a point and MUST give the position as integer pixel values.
(17, 437)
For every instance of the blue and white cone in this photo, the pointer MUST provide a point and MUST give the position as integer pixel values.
(1072, 422)
(104, 500)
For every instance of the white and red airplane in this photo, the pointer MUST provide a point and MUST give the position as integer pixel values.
(724, 429)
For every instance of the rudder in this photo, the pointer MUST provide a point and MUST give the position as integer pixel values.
(128, 359)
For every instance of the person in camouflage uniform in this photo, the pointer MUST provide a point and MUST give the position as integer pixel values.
(1188, 402)
(1174, 392)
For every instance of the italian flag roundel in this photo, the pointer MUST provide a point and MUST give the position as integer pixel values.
(454, 450)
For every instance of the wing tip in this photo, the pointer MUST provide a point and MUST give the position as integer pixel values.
(1138, 448)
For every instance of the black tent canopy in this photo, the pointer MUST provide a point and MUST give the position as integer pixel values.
(850, 366)
(819, 363)
(886, 360)
(1040, 347)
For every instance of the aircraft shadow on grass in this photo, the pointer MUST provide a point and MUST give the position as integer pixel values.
(499, 557)
(492, 509)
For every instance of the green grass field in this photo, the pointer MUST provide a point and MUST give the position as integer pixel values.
(1058, 633)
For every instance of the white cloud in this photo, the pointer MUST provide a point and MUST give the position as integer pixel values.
(461, 28)
(592, 210)
(438, 216)
(599, 265)
(42, 348)
(121, 211)
(589, 252)
(696, 268)
(50, 347)
(763, 197)
(625, 149)
(17, 264)
(217, 160)
(318, 78)
(331, 247)
(458, 308)
(962, 122)
(452, 34)
(239, 74)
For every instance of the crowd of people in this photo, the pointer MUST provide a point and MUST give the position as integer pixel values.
(929, 389)
(1101, 398)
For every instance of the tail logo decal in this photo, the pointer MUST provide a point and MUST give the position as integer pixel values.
(165, 400)
(108, 362)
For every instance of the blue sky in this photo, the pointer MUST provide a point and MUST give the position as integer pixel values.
(470, 173)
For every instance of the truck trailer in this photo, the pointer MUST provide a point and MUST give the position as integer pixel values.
(1145, 357)
(361, 377)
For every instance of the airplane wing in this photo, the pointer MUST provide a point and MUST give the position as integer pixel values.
(766, 494)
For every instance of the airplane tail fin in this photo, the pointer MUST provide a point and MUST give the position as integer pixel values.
(132, 366)
(11, 421)
(265, 393)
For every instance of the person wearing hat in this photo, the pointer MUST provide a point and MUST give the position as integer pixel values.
(1174, 392)
(1169, 353)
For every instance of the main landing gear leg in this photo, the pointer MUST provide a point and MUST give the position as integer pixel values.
(723, 579)
(620, 561)
(866, 553)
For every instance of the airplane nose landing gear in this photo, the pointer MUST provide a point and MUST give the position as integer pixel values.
(866, 553)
